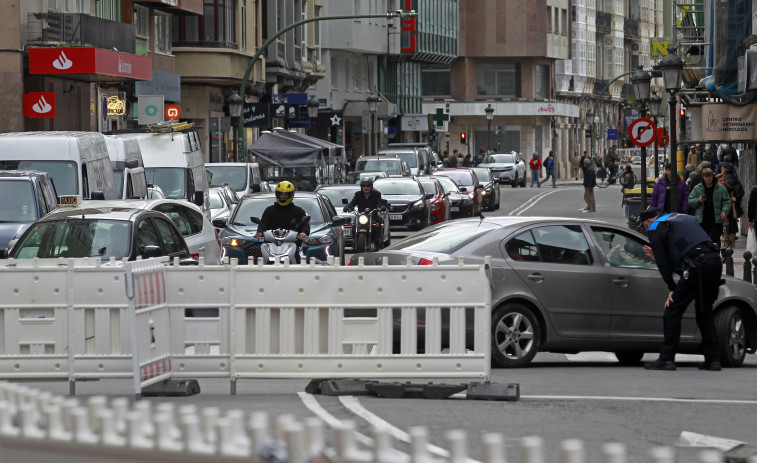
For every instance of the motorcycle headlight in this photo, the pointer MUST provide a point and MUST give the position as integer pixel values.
(483, 193)
(362, 220)
(325, 239)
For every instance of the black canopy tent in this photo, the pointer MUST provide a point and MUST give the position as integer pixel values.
(336, 160)
(284, 158)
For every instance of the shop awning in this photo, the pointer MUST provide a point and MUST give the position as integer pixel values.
(90, 64)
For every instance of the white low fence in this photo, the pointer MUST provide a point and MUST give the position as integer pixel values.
(38, 426)
(74, 321)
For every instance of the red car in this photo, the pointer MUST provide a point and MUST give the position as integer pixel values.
(467, 181)
(438, 200)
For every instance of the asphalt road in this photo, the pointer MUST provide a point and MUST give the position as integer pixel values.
(586, 396)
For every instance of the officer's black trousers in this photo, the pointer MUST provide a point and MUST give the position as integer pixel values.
(686, 291)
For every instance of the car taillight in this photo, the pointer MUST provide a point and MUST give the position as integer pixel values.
(425, 261)
(195, 256)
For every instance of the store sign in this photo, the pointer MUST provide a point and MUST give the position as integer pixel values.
(256, 115)
(115, 106)
(40, 105)
(722, 122)
(150, 109)
(89, 60)
(409, 25)
(292, 107)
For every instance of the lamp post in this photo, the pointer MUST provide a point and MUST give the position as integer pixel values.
(654, 108)
(590, 119)
(313, 105)
(489, 116)
(372, 104)
(236, 103)
(672, 68)
(641, 81)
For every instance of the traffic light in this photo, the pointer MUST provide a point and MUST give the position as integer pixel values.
(463, 139)
(682, 112)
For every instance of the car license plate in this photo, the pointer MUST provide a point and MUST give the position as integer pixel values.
(454, 209)
(347, 232)
(395, 216)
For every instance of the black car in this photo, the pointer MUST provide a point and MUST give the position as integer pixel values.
(121, 232)
(408, 207)
(461, 205)
(490, 186)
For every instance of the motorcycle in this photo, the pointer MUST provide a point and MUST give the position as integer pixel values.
(279, 243)
(368, 236)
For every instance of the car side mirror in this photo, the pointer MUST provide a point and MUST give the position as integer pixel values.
(219, 223)
(338, 221)
(152, 251)
(199, 199)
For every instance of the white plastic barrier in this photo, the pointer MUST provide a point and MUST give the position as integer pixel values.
(37, 426)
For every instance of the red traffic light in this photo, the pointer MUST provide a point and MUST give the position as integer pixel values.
(463, 138)
(682, 112)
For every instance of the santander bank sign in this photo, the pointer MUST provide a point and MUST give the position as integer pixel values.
(89, 60)
(39, 105)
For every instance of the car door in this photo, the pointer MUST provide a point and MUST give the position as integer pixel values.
(638, 292)
(173, 244)
(564, 275)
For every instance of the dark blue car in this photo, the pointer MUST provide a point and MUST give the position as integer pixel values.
(27, 197)
(326, 228)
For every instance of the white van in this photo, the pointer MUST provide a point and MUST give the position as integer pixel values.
(174, 161)
(128, 167)
(242, 177)
(78, 162)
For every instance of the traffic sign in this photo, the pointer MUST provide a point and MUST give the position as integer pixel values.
(642, 131)
(172, 112)
(662, 137)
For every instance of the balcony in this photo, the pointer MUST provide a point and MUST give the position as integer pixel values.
(626, 91)
(174, 6)
(79, 29)
(604, 21)
(600, 87)
(630, 27)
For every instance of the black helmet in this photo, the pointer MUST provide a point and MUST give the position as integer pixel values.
(366, 182)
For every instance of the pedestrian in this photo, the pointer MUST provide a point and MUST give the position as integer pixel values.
(712, 159)
(711, 203)
(693, 157)
(455, 156)
(730, 223)
(611, 161)
(480, 156)
(599, 167)
(751, 214)
(675, 242)
(583, 163)
(687, 172)
(576, 163)
(661, 196)
(590, 181)
(628, 179)
(453, 161)
(549, 166)
(467, 161)
(535, 165)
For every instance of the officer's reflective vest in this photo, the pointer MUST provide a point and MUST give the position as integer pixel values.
(685, 235)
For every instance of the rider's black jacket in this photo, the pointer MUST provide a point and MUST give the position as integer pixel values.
(288, 217)
(362, 202)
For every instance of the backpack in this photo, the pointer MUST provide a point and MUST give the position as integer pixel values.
(628, 180)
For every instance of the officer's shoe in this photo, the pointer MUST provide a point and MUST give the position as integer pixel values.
(712, 365)
(660, 364)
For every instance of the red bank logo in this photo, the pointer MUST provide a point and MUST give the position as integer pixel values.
(39, 104)
(62, 62)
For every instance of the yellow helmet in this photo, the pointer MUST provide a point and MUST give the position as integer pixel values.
(284, 187)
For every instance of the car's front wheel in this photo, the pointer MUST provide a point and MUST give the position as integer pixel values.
(629, 358)
(730, 327)
(516, 335)
(514, 183)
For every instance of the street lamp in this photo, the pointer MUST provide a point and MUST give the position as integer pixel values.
(372, 104)
(654, 108)
(489, 116)
(236, 103)
(590, 120)
(672, 68)
(641, 81)
(313, 105)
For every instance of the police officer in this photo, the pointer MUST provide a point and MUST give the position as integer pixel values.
(679, 245)
(367, 198)
(284, 214)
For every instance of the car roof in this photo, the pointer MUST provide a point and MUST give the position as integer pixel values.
(271, 194)
(22, 173)
(394, 179)
(343, 186)
(92, 212)
(379, 158)
(510, 220)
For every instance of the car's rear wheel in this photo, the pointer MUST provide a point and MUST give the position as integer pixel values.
(730, 327)
(516, 335)
(629, 358)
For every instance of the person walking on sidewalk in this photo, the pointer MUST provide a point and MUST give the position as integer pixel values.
(535, 165)
(661, 194)
(711, 203)
(590, 181)
(576, 163)
(549, 166)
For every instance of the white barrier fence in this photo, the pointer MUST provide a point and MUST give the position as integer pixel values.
(72, 321)
(38, 426)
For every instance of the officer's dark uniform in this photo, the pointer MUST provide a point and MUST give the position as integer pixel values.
(363, 202)
(680, 245)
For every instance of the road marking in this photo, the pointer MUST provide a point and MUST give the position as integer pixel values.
(312, 404)
(530, 203)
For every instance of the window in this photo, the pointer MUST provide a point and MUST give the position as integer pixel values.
(562, 244)
(108, 9)
(162, 33)
(69, 6)
(187, 220)
(142, 20)
(549, 19)
(622, 250)
(215, 28)
(564, 28)
(171, 239)
(498, 79)
(541, 81)
(146, 236)
(435, 79)
(522, 248)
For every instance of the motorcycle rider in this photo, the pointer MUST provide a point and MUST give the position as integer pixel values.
(284, 214)
(367, 198)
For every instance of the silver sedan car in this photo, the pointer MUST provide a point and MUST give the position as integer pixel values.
(570, 285)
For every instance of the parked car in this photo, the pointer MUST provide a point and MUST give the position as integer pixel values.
(467, 181)
(340, 196)
(490, 187)
(506, 168)
(537, 266)
(460, 204)
(416, 157)
(407, 204)
(103, 231)
(391, 165)
(438, 200)
(223, 199)
(326, 236)
(357, 177)
(27, 197)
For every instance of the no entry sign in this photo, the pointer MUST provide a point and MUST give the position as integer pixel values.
(642, 132)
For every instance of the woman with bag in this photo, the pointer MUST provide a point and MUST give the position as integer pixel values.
(731, 222)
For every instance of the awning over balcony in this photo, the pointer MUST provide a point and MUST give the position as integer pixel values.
(90, 64)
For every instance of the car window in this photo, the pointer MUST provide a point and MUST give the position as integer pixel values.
(172, 180)
(75, 238)
(562, 244)
(216, 202)
(448, 186)
(146, 236)
(392, 187)
(171, 239)
(188, 221)
(460, 177)
(484, 175)
(622, 250)
(411, 158)
(522, 248)
(339, 196)
(235, 176)
(18, 201)
(503, 158)
(446, 239)
(429, 187)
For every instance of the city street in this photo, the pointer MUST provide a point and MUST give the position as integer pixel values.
(586, 396)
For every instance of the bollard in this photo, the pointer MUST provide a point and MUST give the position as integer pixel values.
(728, 260)
(754, 269)
(747, 267)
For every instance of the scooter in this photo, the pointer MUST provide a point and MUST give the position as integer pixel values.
(279, 244)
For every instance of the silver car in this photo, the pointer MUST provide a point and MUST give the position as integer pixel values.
(570, 285)
(506, 168)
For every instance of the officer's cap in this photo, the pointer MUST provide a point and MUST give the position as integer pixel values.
(649, 213)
